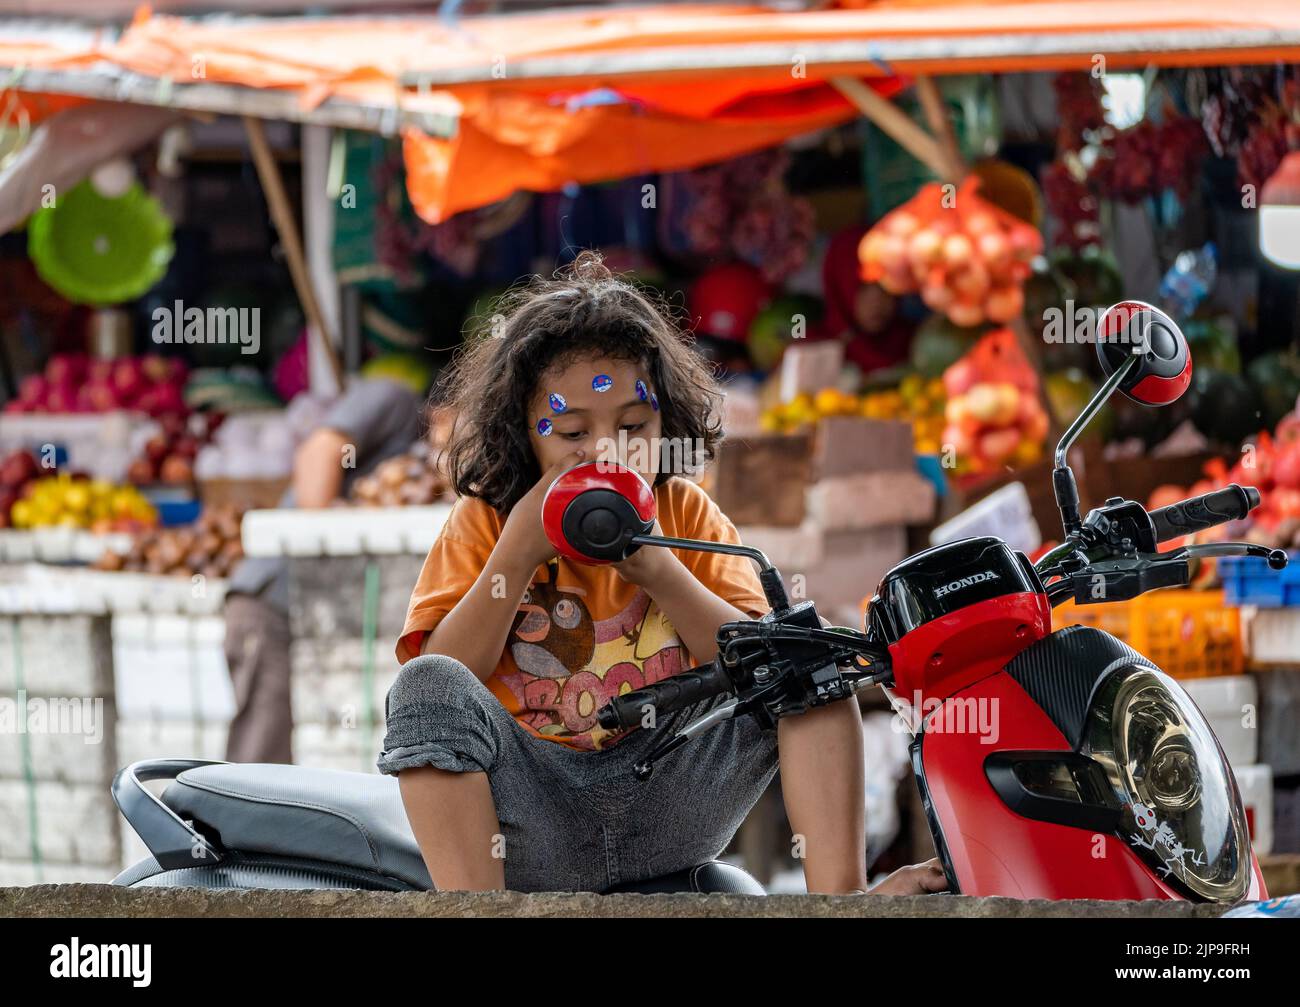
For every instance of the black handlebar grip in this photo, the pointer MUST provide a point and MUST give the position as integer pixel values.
(1232, 503)
(668, 696)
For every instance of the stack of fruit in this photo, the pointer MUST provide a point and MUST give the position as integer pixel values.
(17, 472)
(210, 547)
(994, 417)
(802, 412)
(413, 479)
(168, 457)
(74, 383)
(1271, 463)
(967, 258)
(915, 401)
(67, 500)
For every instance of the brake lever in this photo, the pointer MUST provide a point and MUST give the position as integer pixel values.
(1277, 558)
(1121, 578)
(729, 710)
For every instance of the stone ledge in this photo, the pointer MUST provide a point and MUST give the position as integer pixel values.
(55, 901)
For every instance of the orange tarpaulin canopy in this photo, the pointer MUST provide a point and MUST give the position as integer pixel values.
(588, 94)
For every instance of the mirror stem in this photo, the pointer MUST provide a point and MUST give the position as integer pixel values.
(1063, 482)
(768, 575)
(1091, 409)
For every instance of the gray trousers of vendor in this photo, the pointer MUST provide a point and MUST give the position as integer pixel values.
(257, 654)
(575, 820)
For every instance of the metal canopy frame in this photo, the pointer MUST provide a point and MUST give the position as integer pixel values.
(110, 83)
(879, 57)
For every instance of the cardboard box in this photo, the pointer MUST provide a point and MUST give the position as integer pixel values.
(850, 445)
(761, 480)
(871, 500)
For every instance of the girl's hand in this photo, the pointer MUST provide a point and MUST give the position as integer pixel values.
(916, 879)
(523, 534)
(644, 567)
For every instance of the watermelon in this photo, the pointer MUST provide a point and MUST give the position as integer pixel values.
(1224, 407)
(938, 344)
(1275, 377)
(771, 330)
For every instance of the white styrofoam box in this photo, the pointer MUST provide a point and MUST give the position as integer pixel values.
(324, 746)
(58, 545)
(1227, 701)
(171, 668)
(75, 823)
(1256, 786)
(74, 744)
(61, 655)
(138, 740)
(1272, 635)
(151, 593)
(343, 531)
(38, 588)
(21, 873)
(101, 444)
(1006, 513)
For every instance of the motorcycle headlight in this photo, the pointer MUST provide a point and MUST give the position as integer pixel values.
(1181, 813)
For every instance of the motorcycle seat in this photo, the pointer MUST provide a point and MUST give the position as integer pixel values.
(352, 819)
(355, 820)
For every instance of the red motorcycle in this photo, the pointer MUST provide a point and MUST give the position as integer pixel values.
(1052, 765)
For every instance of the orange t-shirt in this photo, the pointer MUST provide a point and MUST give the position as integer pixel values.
(582, 634)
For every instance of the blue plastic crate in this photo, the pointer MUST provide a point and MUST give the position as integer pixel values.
(1248, 580)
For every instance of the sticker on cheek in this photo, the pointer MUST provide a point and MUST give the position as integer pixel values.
(642, 392)
(602, 383)
(544, 427)
(654, 402)
(558, 404)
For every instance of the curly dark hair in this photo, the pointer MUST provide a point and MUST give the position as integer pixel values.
(585, 311)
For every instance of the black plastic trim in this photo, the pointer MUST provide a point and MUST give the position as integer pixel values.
(1000, 768)
(1060, 672)
(931, 816)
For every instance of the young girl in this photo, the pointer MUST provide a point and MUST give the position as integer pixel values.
(509, 651)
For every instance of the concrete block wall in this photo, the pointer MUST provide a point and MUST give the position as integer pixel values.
(58, 749)
(338, 710)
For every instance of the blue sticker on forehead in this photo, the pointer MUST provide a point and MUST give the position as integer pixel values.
(602, 383)
(544, 427)
(557, 402)
(642, 392)
(654, 401)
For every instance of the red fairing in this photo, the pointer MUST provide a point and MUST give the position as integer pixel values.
(1160, 391)
(946, 654)
(591, 476)
(995, 851)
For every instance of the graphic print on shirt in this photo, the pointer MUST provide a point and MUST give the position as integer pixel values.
(571, 665)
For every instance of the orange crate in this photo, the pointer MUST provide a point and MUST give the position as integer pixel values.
(1188, 634)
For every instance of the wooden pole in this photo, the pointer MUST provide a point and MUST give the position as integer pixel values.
(936, 114)
(268, 172)
(889, 117)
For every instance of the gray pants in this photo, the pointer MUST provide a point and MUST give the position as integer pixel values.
(575, 820)
(257, 654)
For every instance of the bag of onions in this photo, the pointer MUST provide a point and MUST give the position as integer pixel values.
(966, 257)
(993, 417)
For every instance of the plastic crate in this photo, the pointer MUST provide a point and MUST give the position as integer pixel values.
(1188, 634)
(1248, 580)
